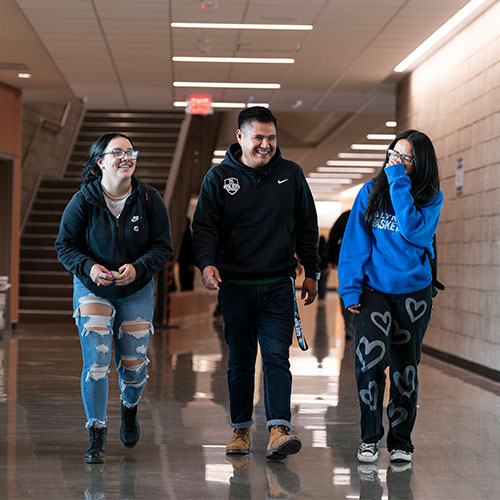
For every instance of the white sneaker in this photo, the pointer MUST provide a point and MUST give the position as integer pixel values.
(368, 452)
(400, 456)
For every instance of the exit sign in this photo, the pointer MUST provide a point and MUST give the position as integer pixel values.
(200, 105)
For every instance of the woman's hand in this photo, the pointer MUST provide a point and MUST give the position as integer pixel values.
(127, 275)
(100, 275)
(354, 308)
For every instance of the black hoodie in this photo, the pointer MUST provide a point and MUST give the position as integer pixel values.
(90, 234)
(249, 222)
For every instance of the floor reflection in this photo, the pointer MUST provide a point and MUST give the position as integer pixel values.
(184, 418)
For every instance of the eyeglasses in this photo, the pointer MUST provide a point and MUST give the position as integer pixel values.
(120, 153)
(400, 156)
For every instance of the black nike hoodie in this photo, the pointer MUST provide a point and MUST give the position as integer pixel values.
(249, 222)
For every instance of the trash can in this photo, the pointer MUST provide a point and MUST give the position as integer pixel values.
(4, 287)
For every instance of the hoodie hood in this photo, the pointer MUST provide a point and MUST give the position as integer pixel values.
(233, 159)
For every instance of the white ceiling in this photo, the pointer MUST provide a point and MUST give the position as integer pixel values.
(117, 55)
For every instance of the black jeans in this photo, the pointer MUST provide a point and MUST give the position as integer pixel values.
(264, 314)
(389, 332)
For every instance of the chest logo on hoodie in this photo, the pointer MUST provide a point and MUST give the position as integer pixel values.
(231, 185)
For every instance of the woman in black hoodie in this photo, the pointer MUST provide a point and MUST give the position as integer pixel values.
(113, 237)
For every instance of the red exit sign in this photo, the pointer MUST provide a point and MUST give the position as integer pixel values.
(200, 105)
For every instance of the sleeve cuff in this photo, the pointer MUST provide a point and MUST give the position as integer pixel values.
(311, 271)
(350, 299)
(395, 171)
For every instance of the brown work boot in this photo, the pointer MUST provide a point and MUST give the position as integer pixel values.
(281, 443)
(241, 442)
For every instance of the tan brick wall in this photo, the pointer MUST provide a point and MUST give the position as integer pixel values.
(454, 97)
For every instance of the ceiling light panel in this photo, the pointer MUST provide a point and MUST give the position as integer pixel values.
(243, 26)
(361, 170)
(364, 156)
(234, 60)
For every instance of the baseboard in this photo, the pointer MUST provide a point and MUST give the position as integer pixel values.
(471, 366)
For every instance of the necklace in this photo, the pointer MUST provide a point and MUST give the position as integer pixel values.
(115, 198)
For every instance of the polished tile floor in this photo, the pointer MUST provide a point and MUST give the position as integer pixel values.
(184, 423)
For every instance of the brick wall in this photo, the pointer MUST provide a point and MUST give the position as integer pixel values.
(454, 96)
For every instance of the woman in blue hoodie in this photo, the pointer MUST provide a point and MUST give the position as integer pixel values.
(113, 237)
(385, 280)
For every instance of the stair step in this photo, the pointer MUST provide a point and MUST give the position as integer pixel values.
(35, 277)
(33, 252)
(46, 290)
(47, 303)
(45, 316)
(40, 264)
(46, 204)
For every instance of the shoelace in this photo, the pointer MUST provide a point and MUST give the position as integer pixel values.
(282, 429)
(371, 447)
(99, 438)
(240, 433)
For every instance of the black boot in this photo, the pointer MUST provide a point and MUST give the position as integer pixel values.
(97, 445)
(129, 431)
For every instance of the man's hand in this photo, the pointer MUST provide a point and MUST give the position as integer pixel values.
(211, 278)
(309, 290)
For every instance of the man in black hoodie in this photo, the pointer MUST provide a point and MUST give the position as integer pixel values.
(255, 212)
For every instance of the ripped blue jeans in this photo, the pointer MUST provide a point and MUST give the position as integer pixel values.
(124, 322)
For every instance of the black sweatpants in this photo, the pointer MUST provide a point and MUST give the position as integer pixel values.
(389, 332)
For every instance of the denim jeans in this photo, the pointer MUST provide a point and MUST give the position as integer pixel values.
(390, 329)
(263, 314)
(98, 333)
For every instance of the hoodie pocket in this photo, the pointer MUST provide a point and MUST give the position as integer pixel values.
(255, 249)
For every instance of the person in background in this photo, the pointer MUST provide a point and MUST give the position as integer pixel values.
(324, 270)
(334, 244)
(186, 259)
(255, 210)
(113, 237)
(385, 280)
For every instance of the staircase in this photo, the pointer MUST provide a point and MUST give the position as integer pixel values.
(45, 286)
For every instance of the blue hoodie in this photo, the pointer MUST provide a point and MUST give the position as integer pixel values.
(392, 255)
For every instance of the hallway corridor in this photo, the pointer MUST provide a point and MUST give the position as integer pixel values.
(185, 424)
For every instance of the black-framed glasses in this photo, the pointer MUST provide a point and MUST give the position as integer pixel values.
(400, 156)
(120, 153)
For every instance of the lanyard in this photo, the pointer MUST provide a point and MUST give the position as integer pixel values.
(296, 320)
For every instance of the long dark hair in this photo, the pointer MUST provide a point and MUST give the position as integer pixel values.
(424, 179)
(91, 170)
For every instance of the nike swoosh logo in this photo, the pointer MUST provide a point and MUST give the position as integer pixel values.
(280, 181)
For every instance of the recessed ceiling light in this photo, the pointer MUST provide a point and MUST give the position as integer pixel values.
(227, 85)
(391, 124)
(380, 137)
(365, 156)
(373, 147)
(354, 163)
(257, 60)
(360, 170)
(438, 34)
(233, 26)
(24, 75)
